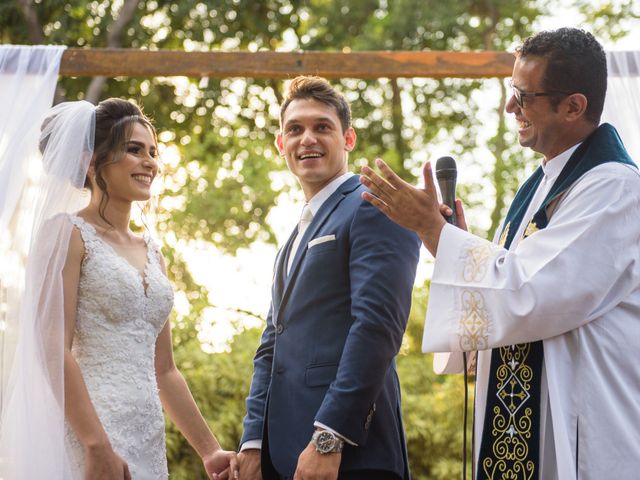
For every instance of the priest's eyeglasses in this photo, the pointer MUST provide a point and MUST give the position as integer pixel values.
(520, 95)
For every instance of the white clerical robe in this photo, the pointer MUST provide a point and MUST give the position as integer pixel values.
(575, 285)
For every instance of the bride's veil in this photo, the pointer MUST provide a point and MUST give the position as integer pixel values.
(34, 237)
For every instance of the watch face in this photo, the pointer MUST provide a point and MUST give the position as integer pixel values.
(325, 442)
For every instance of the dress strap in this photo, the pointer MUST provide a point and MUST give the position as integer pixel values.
(87, 232)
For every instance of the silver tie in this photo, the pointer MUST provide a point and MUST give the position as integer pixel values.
(305, 220)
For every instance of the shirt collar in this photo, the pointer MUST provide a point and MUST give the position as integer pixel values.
(553, 167)
(319, 198)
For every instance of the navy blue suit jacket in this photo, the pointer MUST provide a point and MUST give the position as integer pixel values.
(335, 325)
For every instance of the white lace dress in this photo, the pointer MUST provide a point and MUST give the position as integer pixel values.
(119, 317)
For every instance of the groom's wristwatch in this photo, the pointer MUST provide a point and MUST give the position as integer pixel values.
(327, 442)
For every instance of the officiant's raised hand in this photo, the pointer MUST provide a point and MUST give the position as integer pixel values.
(414, 208)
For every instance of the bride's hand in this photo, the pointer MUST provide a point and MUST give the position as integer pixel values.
(102, 462)
(218, 461)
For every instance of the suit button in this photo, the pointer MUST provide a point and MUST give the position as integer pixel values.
(279, 329)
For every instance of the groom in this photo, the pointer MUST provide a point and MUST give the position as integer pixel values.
(325, 397)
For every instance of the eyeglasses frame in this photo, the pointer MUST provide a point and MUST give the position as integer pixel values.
(520, 94)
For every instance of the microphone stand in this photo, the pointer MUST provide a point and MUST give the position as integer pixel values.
(446, 174)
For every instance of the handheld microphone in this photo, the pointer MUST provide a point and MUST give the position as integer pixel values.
(446, 175)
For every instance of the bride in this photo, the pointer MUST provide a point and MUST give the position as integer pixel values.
(94, 363)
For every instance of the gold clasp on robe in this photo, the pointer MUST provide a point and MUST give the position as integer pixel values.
(530, 230)
(505, 234)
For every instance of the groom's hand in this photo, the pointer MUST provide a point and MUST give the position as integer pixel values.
(313, 465)
(249, 464)
(219, 462)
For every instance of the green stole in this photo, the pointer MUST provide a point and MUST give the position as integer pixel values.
(510, 442)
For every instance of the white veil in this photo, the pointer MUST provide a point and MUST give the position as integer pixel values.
(33, 248)
(622, 103)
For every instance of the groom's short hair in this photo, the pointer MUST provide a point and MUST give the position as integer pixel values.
(319, 89)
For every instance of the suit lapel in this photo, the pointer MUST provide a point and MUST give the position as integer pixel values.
(327, 208)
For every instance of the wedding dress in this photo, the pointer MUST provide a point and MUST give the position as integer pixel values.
(120, 313)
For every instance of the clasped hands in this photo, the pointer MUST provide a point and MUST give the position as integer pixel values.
(411, 207)
(221, 464)
(311, 465)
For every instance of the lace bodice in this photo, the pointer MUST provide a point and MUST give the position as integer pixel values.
(119, 316)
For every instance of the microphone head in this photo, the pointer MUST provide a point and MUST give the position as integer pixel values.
(446, 168)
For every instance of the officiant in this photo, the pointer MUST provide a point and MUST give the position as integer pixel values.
(552, 306)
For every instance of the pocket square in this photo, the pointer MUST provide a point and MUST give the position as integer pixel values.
(319, 240)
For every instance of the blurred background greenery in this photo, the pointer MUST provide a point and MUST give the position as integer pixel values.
(223, 176)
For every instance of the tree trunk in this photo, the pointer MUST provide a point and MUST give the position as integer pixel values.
(499, 149)
(114, 40)
(36, 36)
(497, 142)
(398, 122)
(33, 24)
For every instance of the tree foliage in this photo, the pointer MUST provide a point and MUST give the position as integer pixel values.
(227, 174)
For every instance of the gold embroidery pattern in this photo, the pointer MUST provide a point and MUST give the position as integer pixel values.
(473, 327)
(476, 259)
(474, 323)
(504, 235)
(530, 230)
(511, 426)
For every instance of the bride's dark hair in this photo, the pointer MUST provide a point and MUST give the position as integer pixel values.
(115, 119)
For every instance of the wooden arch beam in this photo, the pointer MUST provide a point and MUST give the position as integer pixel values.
(80, 62)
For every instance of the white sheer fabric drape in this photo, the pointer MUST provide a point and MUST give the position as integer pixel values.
(622, 103)
(28, 77)
(35, 189)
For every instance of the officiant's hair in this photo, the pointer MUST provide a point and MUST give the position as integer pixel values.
(310, 87)
(576, 63)
(115, 118)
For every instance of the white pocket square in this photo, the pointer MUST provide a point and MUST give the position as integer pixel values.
(319, 240)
